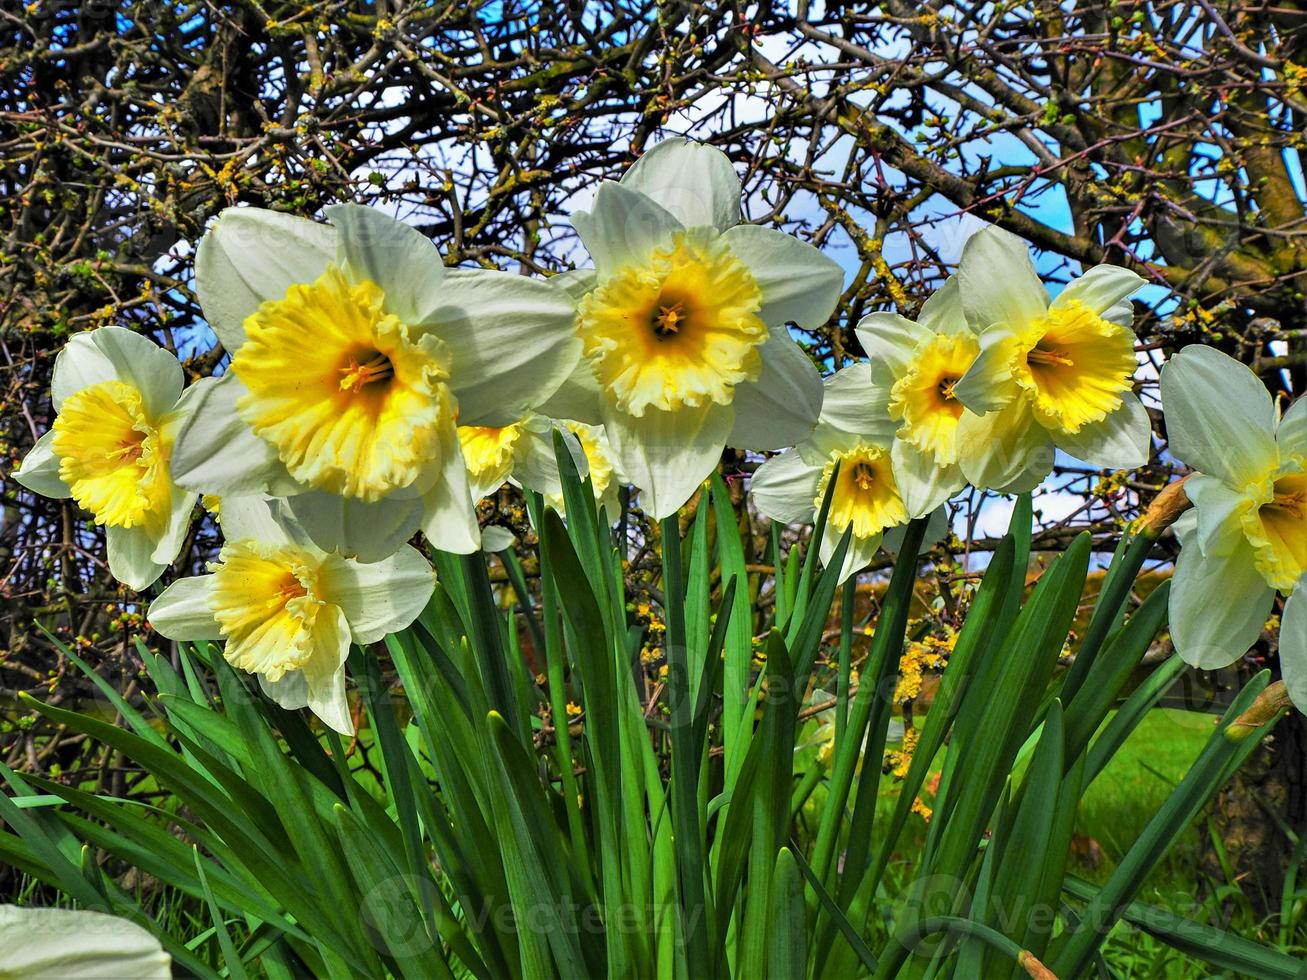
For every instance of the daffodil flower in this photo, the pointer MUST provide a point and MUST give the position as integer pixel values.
(287, 610)
(1050, 374)
(56, 944)
(523, 454)
(791, 487)
(684, 332)
(119, 405)
(914, 368)
(1246, 536)
(353, 353)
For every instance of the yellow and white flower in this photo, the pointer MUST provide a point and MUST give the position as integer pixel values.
(353, 352)
(1246, 536)
(287, 610)
(791, 487)
(913, 369)
(1050, 374)
(119, 405)
(684, 332)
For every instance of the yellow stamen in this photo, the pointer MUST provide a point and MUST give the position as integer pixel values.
(113, 457)
(353, 399)
(371, 370)
(678, 331)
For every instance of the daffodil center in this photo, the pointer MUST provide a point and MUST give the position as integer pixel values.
(866, 495)
(1039, 356)
(113, 457)
(1073, 366)
(370, 367)
(669, 320)
(353, 399)
(678, 330)
(863, 475)
(923, 399)
(265, 601)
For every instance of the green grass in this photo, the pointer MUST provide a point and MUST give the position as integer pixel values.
(1138, 779)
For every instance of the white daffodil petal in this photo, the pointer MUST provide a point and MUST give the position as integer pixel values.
(129, 551)
(996, 449)
(923, 483)
(1119, 442)
(379, 598)
(357, 528)
(943, 311)
(169, 545)
(575, 282)
(1290, 435)
(622, 227)
(1218, 606)
(1037, 468)
(1220, 511)
(58, 944)
(1219, 415)
(988, 385)
(890, 342)
(577, 398)
(257, 517)
(325, 671)
(781, 407)
(216, 452)
(373, 246)
(534, 464)
(668, 454)
(290, 691)
(181, 612)
(693, 181)
(496, 538)
(855, 403)
(449, 517)
(1293, 646)
(250, 255)
(800, 284)
(860, 553)
(39, 471)
(1122, 313)
(512, 341)
(117, 354)
(1100, 288)
(784, 488)
(998, 281)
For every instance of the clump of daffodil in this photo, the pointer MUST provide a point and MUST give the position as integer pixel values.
(913, 369)
(854, 449)
(353, 353)
(1246, 536)
(1050, 374)
(119, 405)
(683, 325)
(287, 610)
